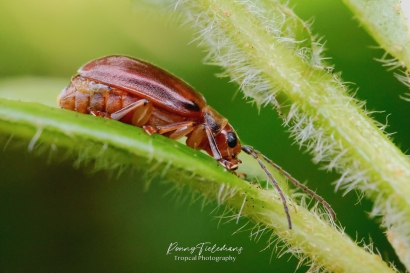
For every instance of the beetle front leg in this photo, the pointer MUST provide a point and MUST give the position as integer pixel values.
(240, 175)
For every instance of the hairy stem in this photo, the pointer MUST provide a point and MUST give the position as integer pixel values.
(387, 21)
(271, 54)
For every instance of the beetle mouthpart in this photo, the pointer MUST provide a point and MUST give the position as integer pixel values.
(233, 167)
(228, 164)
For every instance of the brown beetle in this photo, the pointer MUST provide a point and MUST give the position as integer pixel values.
(141, 94)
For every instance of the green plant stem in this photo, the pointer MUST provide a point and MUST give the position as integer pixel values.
(109, 141)
(259, 45)
(387, 21)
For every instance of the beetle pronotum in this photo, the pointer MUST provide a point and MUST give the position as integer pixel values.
(141, 94)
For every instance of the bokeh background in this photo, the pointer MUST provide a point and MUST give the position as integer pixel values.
(58, 218)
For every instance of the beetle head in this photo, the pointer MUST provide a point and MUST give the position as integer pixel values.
(229, 146)
(225, 144)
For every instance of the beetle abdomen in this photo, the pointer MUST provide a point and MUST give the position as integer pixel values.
(84, 96)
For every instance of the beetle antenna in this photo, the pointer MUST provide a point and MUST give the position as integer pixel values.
(250, 151)
(295, 182)
(212, 143)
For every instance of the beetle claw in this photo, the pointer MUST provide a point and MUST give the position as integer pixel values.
(150, 129)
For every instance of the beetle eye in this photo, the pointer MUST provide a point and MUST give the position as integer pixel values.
(232, 140)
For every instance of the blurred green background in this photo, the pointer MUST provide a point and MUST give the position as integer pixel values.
(57, 218)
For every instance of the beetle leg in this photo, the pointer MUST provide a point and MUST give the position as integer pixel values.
(196, 137)
(182, 131)
(241, 175)
(142, 114)
(176, 130)
(96, 113)
(131, 107)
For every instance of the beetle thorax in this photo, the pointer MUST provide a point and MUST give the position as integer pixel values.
(213, 119)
